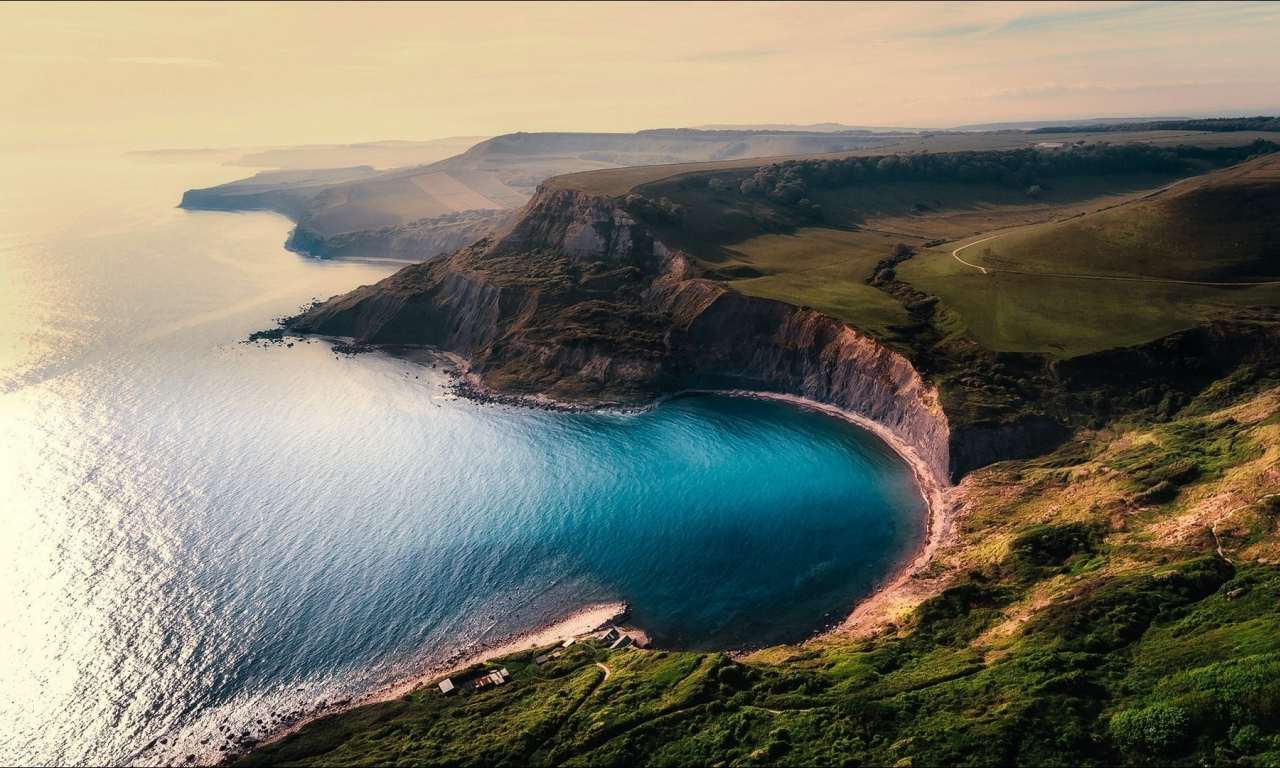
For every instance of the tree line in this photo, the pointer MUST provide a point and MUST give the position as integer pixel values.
(790, 182)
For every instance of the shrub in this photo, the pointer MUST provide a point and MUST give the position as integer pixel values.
(1156, 730)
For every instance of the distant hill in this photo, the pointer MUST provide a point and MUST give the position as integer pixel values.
(1213, 124)
(420, 211)
(1022, 125)
(812, 128)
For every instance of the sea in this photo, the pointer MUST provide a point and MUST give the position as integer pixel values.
(197, 532)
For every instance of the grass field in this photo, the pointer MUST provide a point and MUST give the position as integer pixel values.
(1065, 317)
(827, 267)
(822, 268)
(1216, 229)
(1222, 228)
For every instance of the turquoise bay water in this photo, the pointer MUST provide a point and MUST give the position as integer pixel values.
(197, 531)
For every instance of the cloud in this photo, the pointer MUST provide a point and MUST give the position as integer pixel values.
(720, 57)
(1147, 16)
(1084, 14)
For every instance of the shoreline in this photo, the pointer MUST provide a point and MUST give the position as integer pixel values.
(941, 512)
(584, 621)
(867, 615)
(877, 609)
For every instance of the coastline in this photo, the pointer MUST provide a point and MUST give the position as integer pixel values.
(874, 611)
(578, 623)
(877, 608)
(893, 597)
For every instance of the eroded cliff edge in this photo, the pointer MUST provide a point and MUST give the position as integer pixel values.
(578, 301)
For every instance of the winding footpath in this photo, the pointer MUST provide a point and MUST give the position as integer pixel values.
(1115, 278)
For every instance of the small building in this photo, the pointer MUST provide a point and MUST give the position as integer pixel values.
(540, 660)
(489, 679)
(621, 642)
(569, 642)
(611, 635)
(446, 687)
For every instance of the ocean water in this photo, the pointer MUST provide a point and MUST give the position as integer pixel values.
(197, 532)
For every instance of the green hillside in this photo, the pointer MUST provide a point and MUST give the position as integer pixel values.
(1038, 292)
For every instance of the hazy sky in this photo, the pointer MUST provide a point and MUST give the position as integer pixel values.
(186, 75)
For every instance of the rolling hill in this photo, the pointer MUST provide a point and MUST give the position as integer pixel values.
(417, 212)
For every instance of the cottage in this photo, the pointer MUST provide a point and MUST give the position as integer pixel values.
(446, 687)
(540, 660)
(621, 642)
(611, 635)
(569, 642)
(488, 679)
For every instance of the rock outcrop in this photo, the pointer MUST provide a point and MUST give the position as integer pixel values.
(576, 299)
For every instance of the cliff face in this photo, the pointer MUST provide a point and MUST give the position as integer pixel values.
(576, 299)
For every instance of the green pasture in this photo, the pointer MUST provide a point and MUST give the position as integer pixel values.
(821, 268)
(1069, 316)
(1214, 235)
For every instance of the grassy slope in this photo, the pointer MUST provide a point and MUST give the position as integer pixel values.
(1088, 621)
(826, 266)
(1219, 228)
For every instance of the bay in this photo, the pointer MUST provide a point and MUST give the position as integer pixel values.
(198, 532)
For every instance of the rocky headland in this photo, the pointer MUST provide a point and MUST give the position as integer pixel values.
(577, 301)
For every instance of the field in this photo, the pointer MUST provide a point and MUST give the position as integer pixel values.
(818, 267)
(1037, 296)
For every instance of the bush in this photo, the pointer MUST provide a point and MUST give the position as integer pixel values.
(1156, 730)
(1054, 545)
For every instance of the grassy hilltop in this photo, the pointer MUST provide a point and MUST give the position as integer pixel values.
(1109, 598)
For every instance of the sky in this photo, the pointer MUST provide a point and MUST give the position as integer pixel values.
(196, 75)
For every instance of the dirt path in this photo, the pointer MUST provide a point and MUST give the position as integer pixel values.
(1114, 278)
(606, 669)
(956, 252)
(984, 270)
